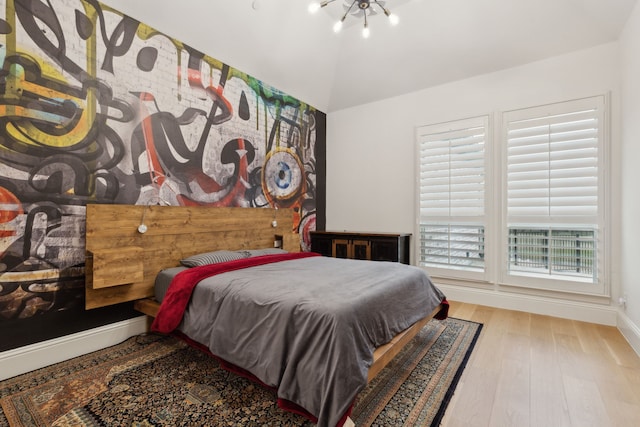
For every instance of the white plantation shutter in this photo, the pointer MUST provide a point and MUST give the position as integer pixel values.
(523, 207)
(552, 162)
(452, 176)
(554, 190)
(452, 193)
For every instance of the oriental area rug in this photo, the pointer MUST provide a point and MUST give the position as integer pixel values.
(155, 380)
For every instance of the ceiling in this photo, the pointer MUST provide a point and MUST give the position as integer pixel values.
(436, 41)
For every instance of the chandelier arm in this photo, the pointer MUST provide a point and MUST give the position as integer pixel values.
(384, 9)
(365, 30)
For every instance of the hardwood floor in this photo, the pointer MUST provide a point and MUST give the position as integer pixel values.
(541, 371)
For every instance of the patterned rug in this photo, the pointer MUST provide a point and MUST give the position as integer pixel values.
(153, 380)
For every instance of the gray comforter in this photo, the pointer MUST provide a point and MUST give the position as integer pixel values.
(308, 327)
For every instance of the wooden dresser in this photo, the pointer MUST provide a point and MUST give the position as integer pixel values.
(356, 245)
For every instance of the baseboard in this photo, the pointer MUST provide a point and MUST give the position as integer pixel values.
(630, 331)
(39, 355)
(583, 311)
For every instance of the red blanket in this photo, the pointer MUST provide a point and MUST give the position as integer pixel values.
(444, 311)
(177, 297)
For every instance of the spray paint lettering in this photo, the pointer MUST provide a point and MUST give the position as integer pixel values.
(98, 107)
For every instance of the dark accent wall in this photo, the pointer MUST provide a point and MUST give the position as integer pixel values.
(97, 107)
(321, 173)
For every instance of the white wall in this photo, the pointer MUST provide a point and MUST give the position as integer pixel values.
(630, 149)
(370, 148)
(370, 151)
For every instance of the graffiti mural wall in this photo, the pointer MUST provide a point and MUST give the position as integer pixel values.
(96, 107)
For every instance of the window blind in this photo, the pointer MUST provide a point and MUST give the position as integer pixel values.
(532, 215)
(452, 175)
(552, 162)
(452, 193)
(553, 188)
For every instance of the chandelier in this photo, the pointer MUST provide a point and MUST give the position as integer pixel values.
(358, 8)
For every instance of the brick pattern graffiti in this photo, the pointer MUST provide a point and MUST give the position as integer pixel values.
(96, 107)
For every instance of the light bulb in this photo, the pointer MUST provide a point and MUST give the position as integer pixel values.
(314, 7)
(365, 32)
(393, 18)
(337, 26)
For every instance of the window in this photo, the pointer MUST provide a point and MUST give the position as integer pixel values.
(554, 156)
(524, 208)
(452, 194)
(548, 251)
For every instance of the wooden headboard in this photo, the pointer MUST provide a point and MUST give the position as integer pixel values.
(122, 263)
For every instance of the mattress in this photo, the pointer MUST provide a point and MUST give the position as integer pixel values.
(163, 280)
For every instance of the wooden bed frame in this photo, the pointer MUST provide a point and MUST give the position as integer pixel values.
(122, 263)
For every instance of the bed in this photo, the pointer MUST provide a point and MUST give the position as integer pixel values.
(317, 342)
